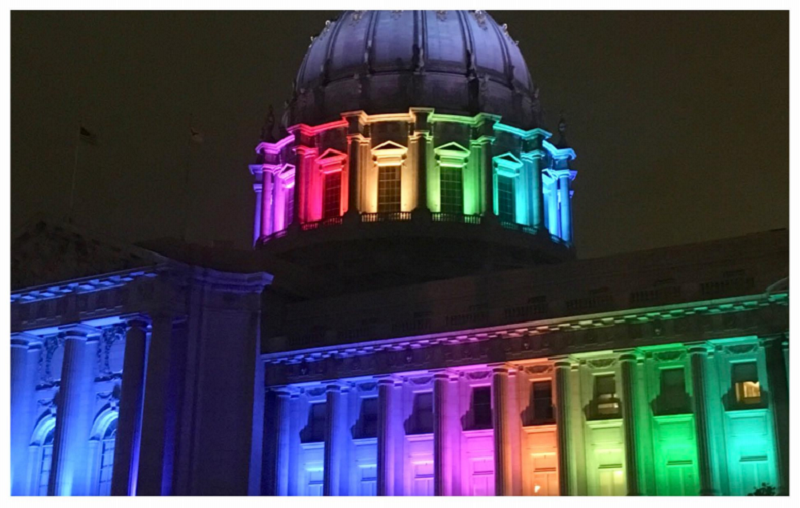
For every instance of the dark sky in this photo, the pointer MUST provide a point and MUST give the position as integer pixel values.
(680, 120)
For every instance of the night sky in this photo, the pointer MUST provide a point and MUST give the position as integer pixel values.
(680, 120)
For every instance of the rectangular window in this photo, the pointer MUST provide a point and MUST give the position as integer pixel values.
(482, 407)
(605, 395)
(542, 402)
(368, 420)
(452, 189)
(505, 198)
(673, 390)
(423, 413)
(388, 189)
(332, 195)
(288, 205)
(317, 419)
(745, 380)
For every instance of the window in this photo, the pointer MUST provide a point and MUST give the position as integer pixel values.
(107, 459)
(46, 462)
(317, 418)
(542, 402)
(422, 416)
(482, 407)
(288, 205)
(505, 198)
(388, 189)
(673, 391)
(368, 420)
(605, 395)
(746, 385)
(332, 195)
(452, 189)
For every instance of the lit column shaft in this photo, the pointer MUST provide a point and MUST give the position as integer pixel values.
(386, 437)
(422, 173)
(283, 417)
(779, 393)
(698, 355)
(442, 466)
(257, 222)
(129, 428)
(566, 213)
(552, 207)
(488, 172)
(166, 359)
(502, 443)
(267, 204)
(333, 441)
(562, 368)
(536, 191)
(354, 159)
(68, 473)
(628, 364)
(24, 361)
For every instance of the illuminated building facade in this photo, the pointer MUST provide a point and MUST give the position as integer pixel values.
(411, 321)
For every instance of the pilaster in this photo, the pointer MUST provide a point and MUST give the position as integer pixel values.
(699, 356)
(503, 475)
(629, 423)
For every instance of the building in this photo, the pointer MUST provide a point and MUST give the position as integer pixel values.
(412, 319)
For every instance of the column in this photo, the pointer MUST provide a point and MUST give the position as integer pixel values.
(257, 233)
(562, 368)
(334, 445)
(628, 364)
(68, 473)
(422, 172)
(25, 350)
(551, 188)
(698, 355)
(442, 436)
(386, 437)
(533, 161)
(353, 160)
(488, 172)
(300, 173)
(282, 411)
(267, 204)
(166, 361)
(778, 378)
(566, 213)
(503, 478)
(129, 427)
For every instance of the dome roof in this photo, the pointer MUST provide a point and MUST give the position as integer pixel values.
(458, 62)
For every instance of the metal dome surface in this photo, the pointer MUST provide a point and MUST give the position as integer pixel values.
(458, 62)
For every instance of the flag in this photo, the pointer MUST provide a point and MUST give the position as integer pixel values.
(88, 136)
(197, 136)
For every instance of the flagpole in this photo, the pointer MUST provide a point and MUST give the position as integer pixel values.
(74, 175)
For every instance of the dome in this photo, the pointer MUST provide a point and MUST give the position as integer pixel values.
(457, 62)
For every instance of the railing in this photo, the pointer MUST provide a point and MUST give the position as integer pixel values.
(385, 216)
(455, 217)
(331, 221)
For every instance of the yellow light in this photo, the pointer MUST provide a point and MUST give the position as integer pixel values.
(537, 488)
(618, 473)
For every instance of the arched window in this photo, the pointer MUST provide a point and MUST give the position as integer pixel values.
(46, 462)
(41, 455)
(107, 459)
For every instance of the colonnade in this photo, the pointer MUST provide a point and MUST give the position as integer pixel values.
(74, 409)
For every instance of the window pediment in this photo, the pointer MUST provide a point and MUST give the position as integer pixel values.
(331, 160)
(507, 165)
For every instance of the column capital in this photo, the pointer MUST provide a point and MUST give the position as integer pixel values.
(563, 363)
(500, 369)
(26, 340)
(630, 356)
(387, 381)
(137, 321)
(700, 349)
(77, 331)
(334, 388)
